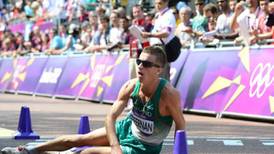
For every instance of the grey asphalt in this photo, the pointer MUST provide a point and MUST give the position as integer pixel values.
(205, 134)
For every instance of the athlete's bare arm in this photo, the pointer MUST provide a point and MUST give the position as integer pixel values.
(171, 98)
(116, 110)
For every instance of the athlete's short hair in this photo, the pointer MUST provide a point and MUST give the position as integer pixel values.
(159, 52)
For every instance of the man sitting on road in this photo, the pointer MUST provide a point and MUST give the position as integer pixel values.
(156, 104)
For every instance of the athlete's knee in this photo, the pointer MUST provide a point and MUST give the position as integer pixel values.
(71, 140)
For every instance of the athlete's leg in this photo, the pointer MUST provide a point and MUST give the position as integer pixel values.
(97, 137)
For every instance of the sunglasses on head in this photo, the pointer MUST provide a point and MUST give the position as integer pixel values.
(146, 64)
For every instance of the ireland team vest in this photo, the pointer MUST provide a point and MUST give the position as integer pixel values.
(147, 123)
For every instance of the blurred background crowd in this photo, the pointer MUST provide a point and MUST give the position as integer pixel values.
(103, 25)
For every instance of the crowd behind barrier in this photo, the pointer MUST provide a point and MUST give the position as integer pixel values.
(54, 27)
(238, 82)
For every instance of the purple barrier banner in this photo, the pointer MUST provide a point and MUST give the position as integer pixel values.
(99, 75)
(75, 76)
(200, 70)
(50, 75)
(253, 93)
(120, 76)
(175, 68)
(19, 73)
(33, 70)
(107, 77)
(6, 73)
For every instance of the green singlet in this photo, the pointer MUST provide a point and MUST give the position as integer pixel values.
(144, 129)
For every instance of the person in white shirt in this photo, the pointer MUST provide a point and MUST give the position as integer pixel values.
(223, 28)
(247, 13)
(164, 28)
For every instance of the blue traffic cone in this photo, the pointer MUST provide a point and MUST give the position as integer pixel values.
(84, 125)
(82, 129)
(24, 130)
(180, 146)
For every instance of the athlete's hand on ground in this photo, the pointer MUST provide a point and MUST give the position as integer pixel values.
(116, 149)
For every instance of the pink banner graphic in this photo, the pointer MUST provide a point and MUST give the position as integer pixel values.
(73, 78)
(31, 73)
(253, 93)
(19, 73)
(98, 71)
(6, 73)
(200, 70)
(120, 76)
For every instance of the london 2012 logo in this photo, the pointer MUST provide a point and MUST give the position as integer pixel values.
(261, 79)
(258, 81)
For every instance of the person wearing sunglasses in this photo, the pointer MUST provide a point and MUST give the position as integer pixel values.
(199, 22)
(156, 104)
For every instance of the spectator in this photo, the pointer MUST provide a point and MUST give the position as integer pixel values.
(199, 22)
(45, 42)
(28, 10)
(148, 26)
(93, 23)
(100, 41)
(3, 25)
(71, 39)
(82, 14)
(232, 4)
(21, 49)
(84, 37)
(115, 33)
(251, 14)
(56, 42)
(211, 13)
(126, 38)
(100, 10)
(63, 31)
(121, 11)
(263, 28)
(55, 9)
(269, 23)
(184, 29)
(138, 16)
(38, 12)
(8, 45)
(223, 29)
(16, 11)
(36, 40)
(72, 8)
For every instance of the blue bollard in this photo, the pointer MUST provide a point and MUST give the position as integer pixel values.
(84, 125)
(82, 129)
(180, 146)
(24, 130)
